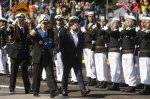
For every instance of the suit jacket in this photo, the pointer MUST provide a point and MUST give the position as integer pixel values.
(71, 54)
(39, 46)
(18, 41)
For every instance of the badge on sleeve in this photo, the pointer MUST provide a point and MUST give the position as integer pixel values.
(40, 42)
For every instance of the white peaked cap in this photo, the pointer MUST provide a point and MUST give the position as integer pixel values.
(102, 18)
(59, 17)
(44, 18)
(90, 13)
(147, 18)
(114, 20)
(73, 18)
(3, 19)
(130, 17)
(20, 15)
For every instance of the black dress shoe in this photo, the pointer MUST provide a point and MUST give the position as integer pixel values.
(92, 83)
(143, 92)
(55, 93)
(104, 84)
(98, 83)
(64, 93)
(84, 92)
(130, 89)
(36, 94)
(73, 83)
(114, 87)
(27, 91)
(12, 90)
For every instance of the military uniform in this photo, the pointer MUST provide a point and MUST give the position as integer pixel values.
(88, 53)
(58, 33)
(100, 58)
(18, 51)
(144, 59)
(114, 56)
(128, 46)
(42, 58)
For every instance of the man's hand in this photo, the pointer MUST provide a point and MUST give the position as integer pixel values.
(83, 29)
(33, 32)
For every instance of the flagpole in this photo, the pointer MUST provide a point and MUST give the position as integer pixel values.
(10, 4)
(107, 9)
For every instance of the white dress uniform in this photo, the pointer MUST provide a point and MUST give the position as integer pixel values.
(128, 47)
(114, 53)
(144, 57)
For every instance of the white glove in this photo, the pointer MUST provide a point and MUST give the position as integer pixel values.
(105, 28)
(105, 45)
(38, 26)
(137, 29)
(115, 30)
(94, 26)
(136, 46)
(1, 27)
(93, 42)
(33, 32)
(147, 31)
(83, 29)
(120, 48)
(120, 29)
(4, 46)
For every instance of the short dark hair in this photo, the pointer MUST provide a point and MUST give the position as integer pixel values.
(72, 22)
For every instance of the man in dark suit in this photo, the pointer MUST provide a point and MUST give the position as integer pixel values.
(71, 47)
(18, 50)
(42, 57)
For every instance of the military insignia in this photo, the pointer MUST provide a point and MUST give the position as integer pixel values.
(40, 42)
(45, 43)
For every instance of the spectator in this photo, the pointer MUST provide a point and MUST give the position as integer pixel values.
(31, 9)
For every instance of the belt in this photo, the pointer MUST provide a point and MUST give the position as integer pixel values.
(113, 49)
(145, 51)
(99, 46)
(128, 51)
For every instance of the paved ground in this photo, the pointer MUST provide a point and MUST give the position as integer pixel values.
(74, 91)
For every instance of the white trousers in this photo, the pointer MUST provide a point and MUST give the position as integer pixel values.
(8, 63)
(137, 66)
(115, 66)
(59, 66)
(144, 66)
(73, 76)
(59, 69)
(89, 63)
(43, 74)
(3, 60)
(129, 69)
(101, 66)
